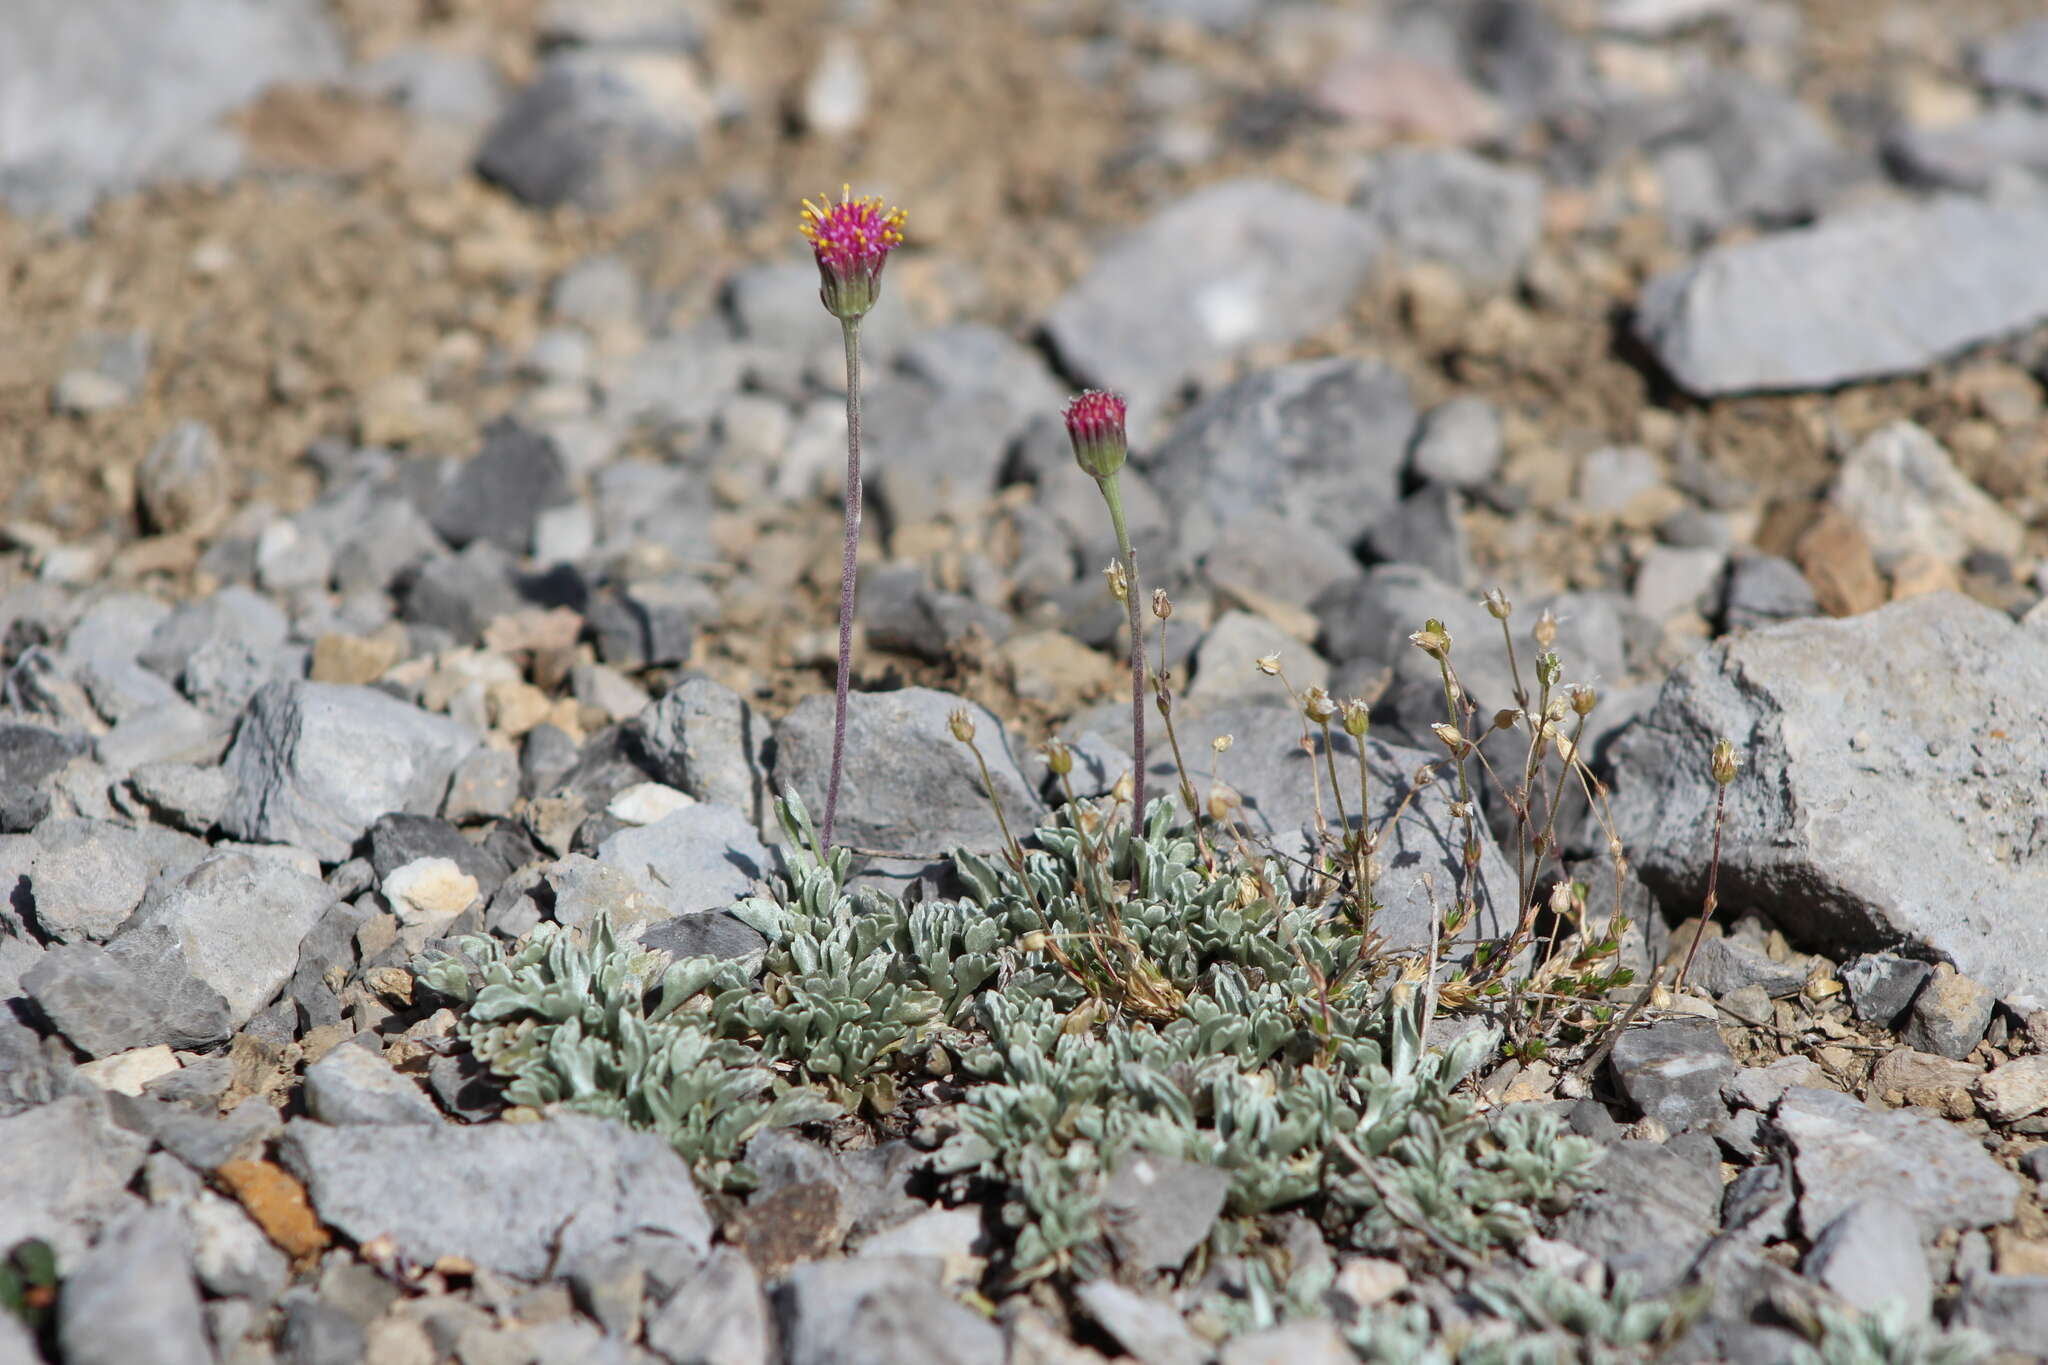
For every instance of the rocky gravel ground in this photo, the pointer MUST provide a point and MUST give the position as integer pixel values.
(420, 458)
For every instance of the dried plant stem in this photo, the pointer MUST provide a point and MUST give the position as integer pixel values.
(1112, 495)
(848, 568)
(1713, 899)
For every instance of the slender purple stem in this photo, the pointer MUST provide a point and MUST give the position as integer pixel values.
(848, 567)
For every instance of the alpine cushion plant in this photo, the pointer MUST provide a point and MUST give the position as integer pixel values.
(1095, 425)
(852, 240)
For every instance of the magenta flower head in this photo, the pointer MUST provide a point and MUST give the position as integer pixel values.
(852, 239)
(1095, 424)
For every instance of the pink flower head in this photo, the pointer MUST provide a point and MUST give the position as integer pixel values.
(1095, 424)
(852, 240)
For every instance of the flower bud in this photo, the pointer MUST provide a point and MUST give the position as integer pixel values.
(1095, 426)
(1059, 757)
(1268, 664)
(1448, 733)
(1433, 639)
(852, 240)
(1221, 744)
(1317, 706)
(1584, 699)
(1544, 632)
(1549, 668)
(1725, 761)
(1497, 604)
(1119, 581)
(1357, 718)
(1162, 605)
(1564, 898)
(1505, 720)
(961, 724)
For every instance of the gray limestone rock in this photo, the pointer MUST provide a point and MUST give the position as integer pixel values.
(696, 859)
(719, 1316)
(137, 991)
(704, 739)
(880, 1311)
(500, 491)
(315, 764)
(908, 783)
(145, 87)
(511, 1197)
(64, 1172)
(1449, 206)
(1150, 1329)
(1870, 1255)
(30, 756)
(1673, 1071)
(1917, 727)
(1843, 1149)
(1240, 264)
(1160, 1209)
(183, 794)
(1884, 291)
(237, 920)
(133, 1296)
(596, 125)
(1949, 1014)
(1881, 985)
(1321, 442)
(2017, 60)
(353, 1084)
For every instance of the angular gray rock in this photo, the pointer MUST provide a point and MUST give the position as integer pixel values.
(144, 86)
(2010, 1309)
(595, 126)
(1949, 1014)
(1458, 443)
(315, 764)
(137, 991)
(353, 1084)
(184, 795)
(500, 491)
(704, 739)
(1150, 1329)
(1879, 292)
(237, 920)
(64, 1172)
(1240, 264)
(1449, 206)
(1843, 1149)
(233, 616)
(1870, 1255)
(1922, 726)
(1319, 441)
(30, 755)
(908, 783)
(1881, 985)
(1160, 1209)
(1733, 148)
(87, 879)
(880, 1311)
(2017, 60)
(133, 1297)
(1971, 155)
(1762, 590)
(1647, 1211)
(719, 1316)
(1673, 1071)
(511, 1197)
(699, 858)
